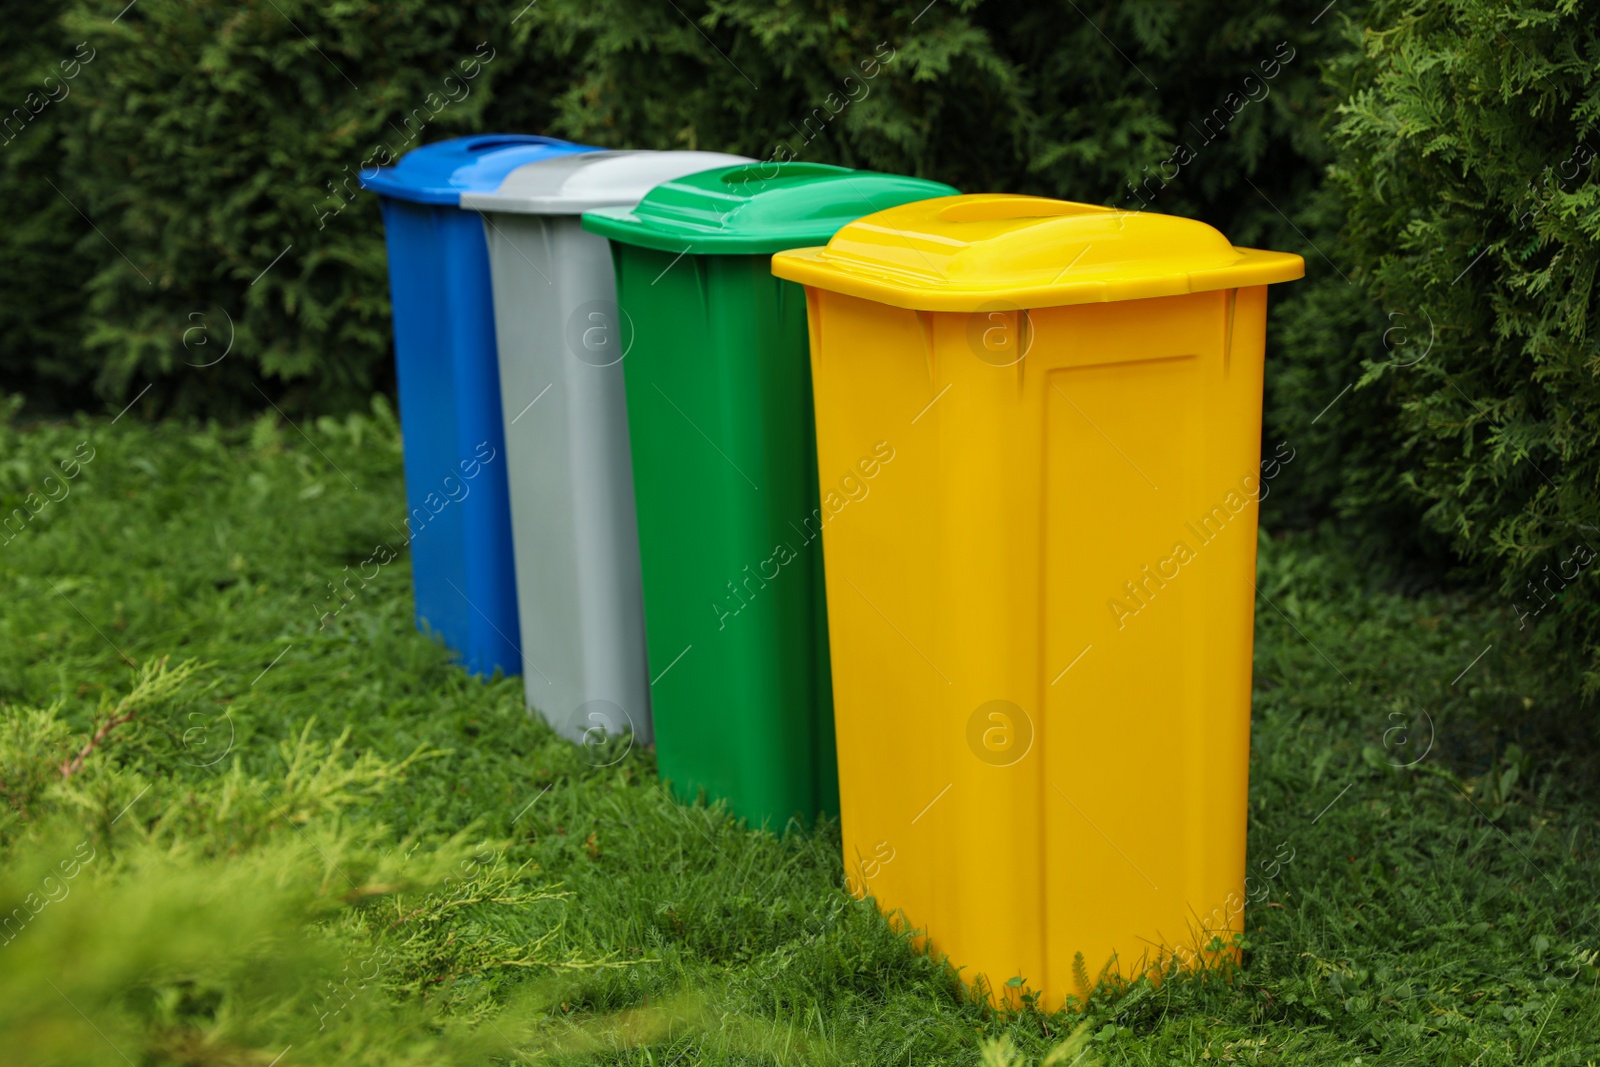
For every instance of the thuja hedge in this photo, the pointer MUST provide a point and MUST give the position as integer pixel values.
(206, 138)
(42, 268)
(1467, 151)
(210, 149)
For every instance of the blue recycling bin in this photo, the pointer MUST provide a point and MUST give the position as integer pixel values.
(458, 519)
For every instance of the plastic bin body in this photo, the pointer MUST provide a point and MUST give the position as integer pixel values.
(725, 468)
(719, 407)
(1042, 619)
(458, 518)
(459, 528)
(567, 459)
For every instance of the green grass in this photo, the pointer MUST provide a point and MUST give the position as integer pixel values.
(332, 841)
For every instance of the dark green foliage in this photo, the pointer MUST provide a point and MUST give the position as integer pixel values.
(45, 250)
(205, 139)
(333, 839)
(1466, 168)
(209, 139)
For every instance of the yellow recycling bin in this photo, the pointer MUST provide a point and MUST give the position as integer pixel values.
(1041, 607)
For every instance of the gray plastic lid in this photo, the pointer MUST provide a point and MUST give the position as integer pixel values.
(572, 184)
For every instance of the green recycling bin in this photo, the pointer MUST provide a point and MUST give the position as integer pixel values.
(718, 382)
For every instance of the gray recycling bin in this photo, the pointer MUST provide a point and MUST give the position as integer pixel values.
(561, 340)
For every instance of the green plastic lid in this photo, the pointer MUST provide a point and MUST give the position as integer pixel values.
(756, 208)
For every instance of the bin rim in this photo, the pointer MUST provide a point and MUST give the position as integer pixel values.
(439, 172)
(980, 252)
(756, 208)
(572, 183)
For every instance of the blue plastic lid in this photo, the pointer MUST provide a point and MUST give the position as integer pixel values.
(439, 173)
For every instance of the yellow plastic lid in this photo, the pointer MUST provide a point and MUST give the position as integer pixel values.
(969, 253)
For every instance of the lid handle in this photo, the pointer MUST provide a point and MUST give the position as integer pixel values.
(508, 140)
(1005, 206)
(763, 171)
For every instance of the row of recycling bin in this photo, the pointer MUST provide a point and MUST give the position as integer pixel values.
(644, 395)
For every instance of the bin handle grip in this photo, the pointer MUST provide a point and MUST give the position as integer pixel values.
(997, 206)
(508, 140)
(760, 171)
